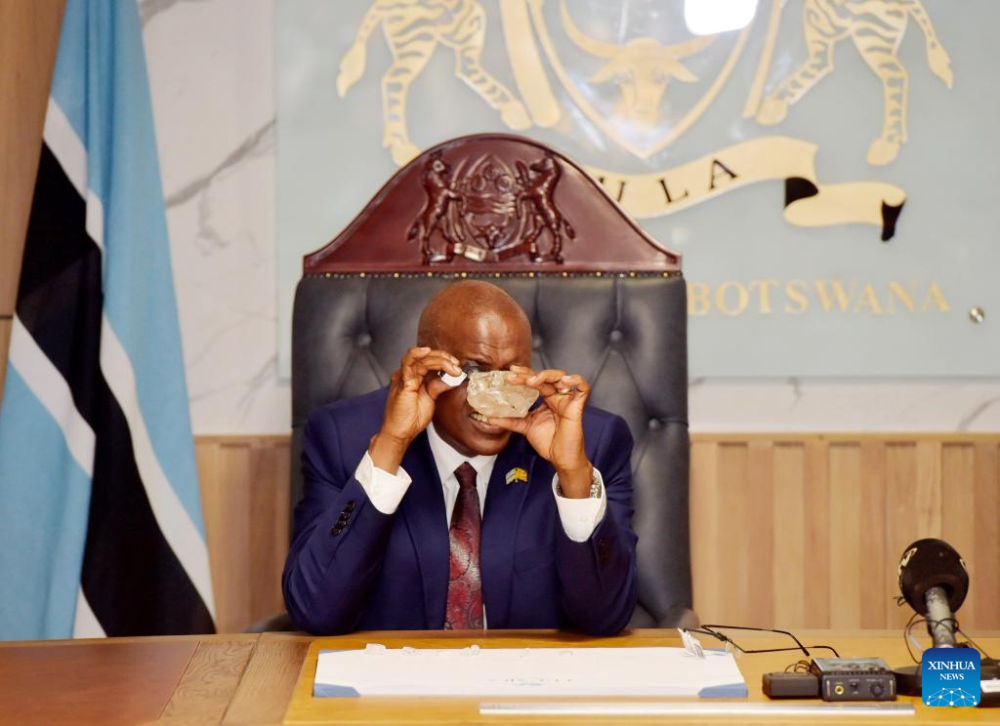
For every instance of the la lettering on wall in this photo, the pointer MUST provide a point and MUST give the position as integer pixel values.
(821, 166)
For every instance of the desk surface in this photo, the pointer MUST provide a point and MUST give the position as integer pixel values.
(251, 678)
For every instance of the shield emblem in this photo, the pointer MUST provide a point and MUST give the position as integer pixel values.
(633, 69)
(488, 219)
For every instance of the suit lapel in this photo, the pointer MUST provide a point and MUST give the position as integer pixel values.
(423, 507)
(501, 515)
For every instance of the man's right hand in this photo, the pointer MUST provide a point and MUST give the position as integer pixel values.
(410, 406)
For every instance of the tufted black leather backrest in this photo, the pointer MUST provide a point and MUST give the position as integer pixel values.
(625, 334)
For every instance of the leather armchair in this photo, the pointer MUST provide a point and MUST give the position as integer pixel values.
(612, 309)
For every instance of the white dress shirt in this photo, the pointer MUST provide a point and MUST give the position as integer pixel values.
(579, 517)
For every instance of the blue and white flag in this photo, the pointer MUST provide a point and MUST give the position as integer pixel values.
(101, 530)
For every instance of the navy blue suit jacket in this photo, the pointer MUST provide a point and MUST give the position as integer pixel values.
(353, 568)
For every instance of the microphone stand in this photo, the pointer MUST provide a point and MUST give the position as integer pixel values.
(940, 622)
(941, 627)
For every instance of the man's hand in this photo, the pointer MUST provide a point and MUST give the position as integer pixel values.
(410, 406)
(555, 430)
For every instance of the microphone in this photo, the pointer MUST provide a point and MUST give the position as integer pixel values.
(934, 580)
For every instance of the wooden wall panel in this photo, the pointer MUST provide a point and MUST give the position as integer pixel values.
(705, 510)
(816, 483)
(876, 563)
(759, 513)
(985, 521)
(244, 494)
(845, 535)
(901, 513)
(790, 563)
(791, 531)
(958, 480)
(843, 508)
(734, 531)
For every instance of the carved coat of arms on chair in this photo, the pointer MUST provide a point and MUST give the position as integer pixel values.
(486, 211)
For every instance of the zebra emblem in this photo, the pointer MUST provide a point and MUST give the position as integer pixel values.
(413, 30)
(876, 29)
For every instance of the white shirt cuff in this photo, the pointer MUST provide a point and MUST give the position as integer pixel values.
(385, 490)
(580, 517)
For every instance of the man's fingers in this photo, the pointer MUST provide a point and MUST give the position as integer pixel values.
(413, 354)
(566, 394)
(550, 374)
(519, 375)
(418, 362)
(528, 377)
(435, 363)
(421, 353)
(545, 389)
(551, 382)
(572, 384)
(406, 363)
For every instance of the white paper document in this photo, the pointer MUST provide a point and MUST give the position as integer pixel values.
(379, 671)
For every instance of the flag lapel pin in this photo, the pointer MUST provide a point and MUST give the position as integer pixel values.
(516, 474)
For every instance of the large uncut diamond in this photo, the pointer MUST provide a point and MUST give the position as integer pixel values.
(491, 395)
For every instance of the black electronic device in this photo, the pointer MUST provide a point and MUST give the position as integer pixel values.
(854, 679)
(791, 685)
(990, 688)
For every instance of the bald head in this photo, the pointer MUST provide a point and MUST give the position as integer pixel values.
(483, 327)
(469, 301)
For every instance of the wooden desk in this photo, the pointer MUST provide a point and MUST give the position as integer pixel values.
(206, 679)
(250, 679)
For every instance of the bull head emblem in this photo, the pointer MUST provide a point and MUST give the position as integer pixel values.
(642, 68)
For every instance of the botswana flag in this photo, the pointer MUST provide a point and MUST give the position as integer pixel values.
(101, 530)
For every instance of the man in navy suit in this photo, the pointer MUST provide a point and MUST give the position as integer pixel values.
(420, 513)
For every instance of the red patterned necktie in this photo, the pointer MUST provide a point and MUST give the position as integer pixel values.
(465, 586)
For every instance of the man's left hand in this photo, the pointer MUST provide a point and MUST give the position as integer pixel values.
(555, 430)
